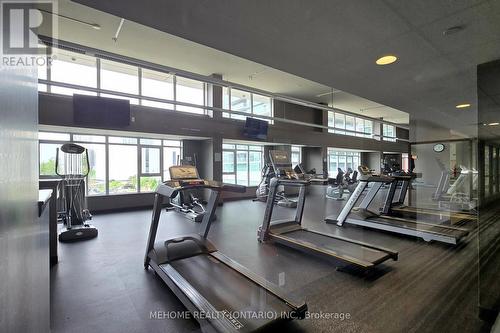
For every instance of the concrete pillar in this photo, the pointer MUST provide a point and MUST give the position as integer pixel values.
(215, 96)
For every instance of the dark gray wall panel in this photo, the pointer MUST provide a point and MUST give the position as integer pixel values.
(58, 110)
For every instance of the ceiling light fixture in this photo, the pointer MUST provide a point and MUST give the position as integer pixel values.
(386, 60)
(462, 106)
(92, 25)
(493, 124)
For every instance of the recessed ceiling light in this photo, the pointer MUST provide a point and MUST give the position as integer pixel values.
(493, 124)
(462, 106)
(386, 60)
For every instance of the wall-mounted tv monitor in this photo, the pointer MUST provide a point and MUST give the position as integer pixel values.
(101, 111)
(255, 129)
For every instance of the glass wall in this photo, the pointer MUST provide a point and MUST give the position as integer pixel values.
(246, 102)
(388, 132)
(73, 68)
(161, 89)
(172, 153)
(242, 164)
(349, 125)
(342, 159)
(190, 91)
(158, 85)
(81, 70)
(118, 165)
(445, 174)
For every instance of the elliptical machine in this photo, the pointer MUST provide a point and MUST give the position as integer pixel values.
(263, 189)
(73, 166)
(185, 202)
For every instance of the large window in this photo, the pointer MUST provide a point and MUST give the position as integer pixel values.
(171, 156)
(388, 132)
(349, 125)
(296, 155)
(158, 85)
(120, 77)
(339, 122)
(95, 144)
(242, 164)
(405, 162)
(143, 84)
(118, 164)
(122, 165)
(342, 159)
(190, 91)
(150, 176)
(246, 102)
(73, 68)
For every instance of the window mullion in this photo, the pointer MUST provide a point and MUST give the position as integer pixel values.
(98, 79)
(49, 74)
(229, 102)
(162, 148)
(251, 109)
(174, 81)
(107, 164)
(139, 167)
(139, 79)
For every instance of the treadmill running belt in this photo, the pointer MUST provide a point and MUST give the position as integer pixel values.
(225, 289)
(421, 227)
(342, 248)
(435, 214)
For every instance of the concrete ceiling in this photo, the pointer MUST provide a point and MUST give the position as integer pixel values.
(335, 43)
(145, 43)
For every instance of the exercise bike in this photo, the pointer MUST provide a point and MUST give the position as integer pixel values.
(263, 189)
(73, 166)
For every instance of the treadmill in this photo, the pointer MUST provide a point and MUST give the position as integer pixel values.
(362, 216)
(400, 209)
(219, 292)
(292, 234)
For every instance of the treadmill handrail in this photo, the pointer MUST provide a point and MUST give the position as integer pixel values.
(171, 188)
(289, 181)
(165, 191)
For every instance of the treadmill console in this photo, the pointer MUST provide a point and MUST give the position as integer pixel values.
(184, 172)
(282, 164)
(370, 176)
(184, 177)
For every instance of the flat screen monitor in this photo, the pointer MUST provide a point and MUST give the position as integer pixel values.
(101, 111)
(255, 129)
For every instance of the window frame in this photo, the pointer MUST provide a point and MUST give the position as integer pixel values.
(386, 136)
(106, 143)
(333, 156)
(46, 83)
(297, 150)
(230, 115)
(343, 130)
(239, 147)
